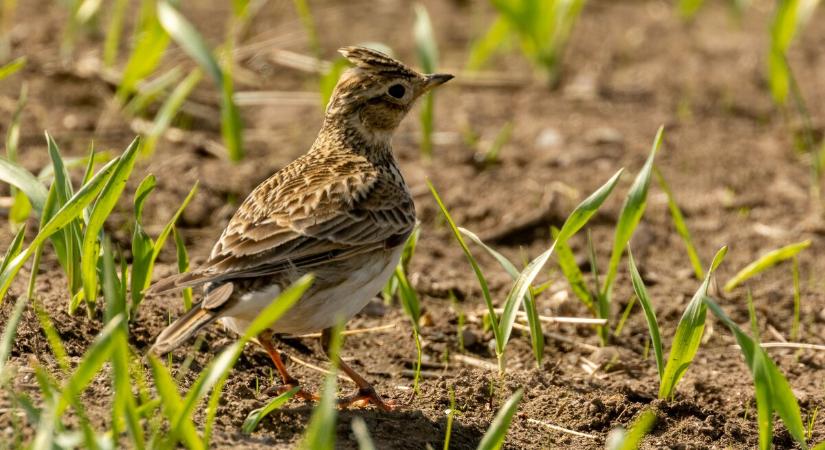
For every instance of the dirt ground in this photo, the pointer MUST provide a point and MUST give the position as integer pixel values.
(630, 67)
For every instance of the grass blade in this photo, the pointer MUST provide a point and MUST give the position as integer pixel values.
(14, 248)
(171, 402)
(631, 439)
(12, 67)
(256, 415)
(650, 313)
(183, 266)
(631, 214)
(771, 382)
(688, 334)
(362, 434)
(104, 205)
(169, 110)
(585, 210)
(485, 290)
(66, 214)
(764, 262)
(572, 272)
(113, 32)
(193, 44)
(536, 332)
(151, 42)
(23, 180)
(680, 225)
(493, 439)
(320, 432)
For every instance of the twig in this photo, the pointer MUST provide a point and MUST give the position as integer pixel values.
(556, 319)
(790, 345)
(386, 327)
(475, 362)
(562, 429)
(318, 369)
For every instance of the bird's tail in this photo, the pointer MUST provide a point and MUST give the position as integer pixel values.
(182, 329)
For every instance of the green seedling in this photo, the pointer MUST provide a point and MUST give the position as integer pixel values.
(412, 306)
(493, 439)
(179, 410)
(256, 415)
(427, 50)
(362, 434)
(688, 334)
(542, 28)
(680, 225)
(150, 43)
(145, 251)
(450, 418)
(193, 44)
(12, 67)
(790, 18)
(21, 207)
(764, 262)
(631, 439)
(320, 432)
(170, 109)
(689, 8)
(772, 391)
(502, 326)
(308, 22)
(114, 30)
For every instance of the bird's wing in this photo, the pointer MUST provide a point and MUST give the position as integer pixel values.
(302, 218)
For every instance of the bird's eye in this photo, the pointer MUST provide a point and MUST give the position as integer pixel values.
(396, 90)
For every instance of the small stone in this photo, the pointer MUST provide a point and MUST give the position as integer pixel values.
(604, 136)
(549, 138)
(583, 87)
(469, 337)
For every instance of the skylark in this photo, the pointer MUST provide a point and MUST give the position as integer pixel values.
(341, 211)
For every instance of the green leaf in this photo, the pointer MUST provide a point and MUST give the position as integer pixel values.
(151, 41)
(766, 261)
(493, 439)
(193, 44)
(14, 248)
(488, 300)
(650, 313)
(688, 334)
(171, 402)
(425, 42)
(320, 431)
(89, 367)
(767, 377)
(104, 205)
(485, 47)
(256, 415)
(218, 371)
(680, 225)
(22, 179)
(113, 32)
(572, 272)
(632, 211)
(632, 438)
(66, 214)
(12, 67)
(536, 332)
(585, 210)
(170, 109)
(9, 334)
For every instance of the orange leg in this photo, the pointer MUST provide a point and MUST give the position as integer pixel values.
(366, 393)
(265, 339)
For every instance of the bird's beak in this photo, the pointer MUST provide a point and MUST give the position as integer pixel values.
(436, 79)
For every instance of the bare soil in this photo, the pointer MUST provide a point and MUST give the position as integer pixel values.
(631, 66)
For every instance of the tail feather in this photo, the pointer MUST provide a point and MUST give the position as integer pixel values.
(182, 329)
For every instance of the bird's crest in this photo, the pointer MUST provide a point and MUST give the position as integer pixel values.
(375, 62)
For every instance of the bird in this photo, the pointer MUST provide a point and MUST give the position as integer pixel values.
(342, 211)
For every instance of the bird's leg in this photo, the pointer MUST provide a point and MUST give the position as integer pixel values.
(265, 339)
(366, 393)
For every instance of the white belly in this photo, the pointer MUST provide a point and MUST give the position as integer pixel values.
(322, 307)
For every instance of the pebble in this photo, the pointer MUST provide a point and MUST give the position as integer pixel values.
(549, 138)
(469, 337)
(604, 136)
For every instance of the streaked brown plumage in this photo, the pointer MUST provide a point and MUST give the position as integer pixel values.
(341, 211)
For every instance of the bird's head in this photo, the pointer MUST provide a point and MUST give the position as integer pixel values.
(378, 91)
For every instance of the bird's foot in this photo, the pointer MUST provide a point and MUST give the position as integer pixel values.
(364, 397)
